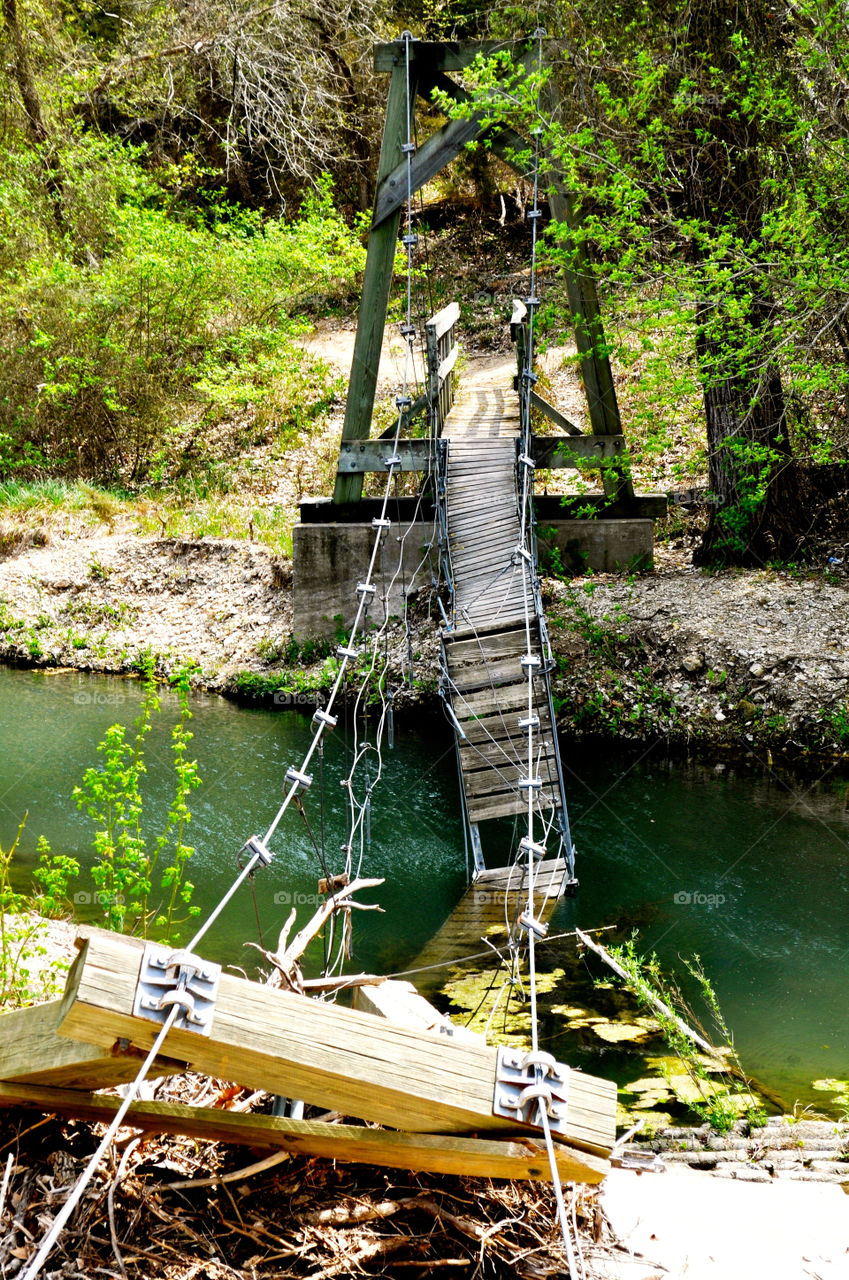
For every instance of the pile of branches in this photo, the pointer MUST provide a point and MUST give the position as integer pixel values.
(176, 1209)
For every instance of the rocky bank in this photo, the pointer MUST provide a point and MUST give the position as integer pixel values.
(752, 659)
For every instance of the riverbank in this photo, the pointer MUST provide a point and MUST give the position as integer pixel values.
(681, 1217)
(742, 661)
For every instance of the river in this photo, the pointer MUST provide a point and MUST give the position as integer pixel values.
(747, 869)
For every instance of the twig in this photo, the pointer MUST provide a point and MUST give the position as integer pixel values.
(110, 1202)
(278, 1157)
(285, 961)
(655, 1001)
(7, 1173)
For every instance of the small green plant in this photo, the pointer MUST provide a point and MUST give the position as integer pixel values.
(725, 1096)
(98, 570)
(141, 884)
(22, 934)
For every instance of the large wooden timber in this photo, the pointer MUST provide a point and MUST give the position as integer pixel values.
(488, 909)
(32, 1051)
(377, 281)
(339, 1058)
(520, 1158)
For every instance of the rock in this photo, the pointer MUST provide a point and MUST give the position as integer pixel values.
(692, 662)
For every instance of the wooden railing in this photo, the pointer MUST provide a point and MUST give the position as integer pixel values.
(442, 352)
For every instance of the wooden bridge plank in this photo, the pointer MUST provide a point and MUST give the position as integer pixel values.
(489, 780)
(522, 1158)
(487, 701)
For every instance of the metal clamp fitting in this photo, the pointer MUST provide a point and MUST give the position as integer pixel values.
(526, 1082)
(169, 978)
(298, 779)
(532, 925)
(527, 845)
(258, 849)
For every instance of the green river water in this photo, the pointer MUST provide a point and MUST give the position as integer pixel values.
(750, 870)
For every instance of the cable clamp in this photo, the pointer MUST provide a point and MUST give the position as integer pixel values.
(410, 240)
(533, 214)
(547, 1063)
(527, 1083)
(403, 402)
(532, 300)
(395, 461)
(529, 722)
(257, 848)
(366, 589)
(408, 148)
(348, 651)
(320, 716)
(530, 660)
(530, 784)
(169, 978)
(526, 461)
(529, 377)
(524, 554)
(294, 777)
(531, 925)
(380, 522)
(527, 845)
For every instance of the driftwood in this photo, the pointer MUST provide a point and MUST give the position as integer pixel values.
(285, 959)
(655, 1001)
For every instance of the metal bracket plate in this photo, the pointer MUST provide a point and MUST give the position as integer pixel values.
(524, 1082)
(171, 977)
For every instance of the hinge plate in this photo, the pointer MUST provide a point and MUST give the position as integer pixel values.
(523, 1081)
(171, 977)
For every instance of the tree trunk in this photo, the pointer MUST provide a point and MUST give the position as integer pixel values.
(752, 474)
(36, 127)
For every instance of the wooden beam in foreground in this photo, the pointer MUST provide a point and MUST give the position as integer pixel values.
(339, 1058)
(32, 1050)
(520, 1158)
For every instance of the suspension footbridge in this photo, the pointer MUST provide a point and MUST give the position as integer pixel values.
(450, 1104)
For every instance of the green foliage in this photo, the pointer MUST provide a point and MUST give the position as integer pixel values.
(725, 1096)
(22, 937)
(711, 188)
(173, 337)
(141, 884)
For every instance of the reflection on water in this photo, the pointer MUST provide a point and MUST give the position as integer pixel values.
(751, 872)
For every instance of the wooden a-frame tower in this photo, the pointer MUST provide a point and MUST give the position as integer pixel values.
(430, 64)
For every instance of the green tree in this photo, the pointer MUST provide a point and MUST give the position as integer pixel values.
(709, 167)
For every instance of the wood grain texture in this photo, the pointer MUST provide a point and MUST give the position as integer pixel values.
(32, 1050)
(334, 1057)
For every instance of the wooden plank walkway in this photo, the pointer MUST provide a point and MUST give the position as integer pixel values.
(488, 909)
(482, 653)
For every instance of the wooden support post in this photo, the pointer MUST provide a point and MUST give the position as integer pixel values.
(330, 1056)
(583, 298)
(377, 281)
(521, 1158)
